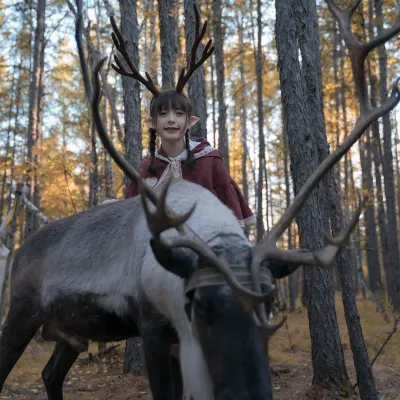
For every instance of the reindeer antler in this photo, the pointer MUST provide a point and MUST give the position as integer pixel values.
(266, 248)
(207, 51)
(161, 220)
(119, 68)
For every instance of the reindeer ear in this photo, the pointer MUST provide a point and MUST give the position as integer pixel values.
(179, 261)
(281, 269)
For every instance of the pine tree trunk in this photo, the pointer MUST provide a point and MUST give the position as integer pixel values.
(375, 147)
(7, 147)
(260, 115)
(293, 278)
(94, 171)
(36, 191)
(10, 245)
(134, 359)
(15, 130)
(393, 242)
(35, 93)
(337, 125)
(168, 17)
(373, 141)
(219, 67)
(243, 106)
(214, 113)
(311, 60)
(108, 175)
(327, 354)
(197, 85)
(370, 225)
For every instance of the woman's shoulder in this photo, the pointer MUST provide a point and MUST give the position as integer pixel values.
(202, 148)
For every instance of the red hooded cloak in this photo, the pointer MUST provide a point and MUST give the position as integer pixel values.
(208, 171)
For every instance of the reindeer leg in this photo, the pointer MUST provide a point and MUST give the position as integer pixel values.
(157, 352)
(21, 324)
(54, 373)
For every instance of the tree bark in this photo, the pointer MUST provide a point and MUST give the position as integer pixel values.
(243, 106)
(8, 145)
(16, 128)
(260, 115)
(108, 175)
(11, 238)
(34, 120)
(168, 21)
(393, 242)
(214, 113)
(293, 278)
(219, 67)
(327, 353)
(374, 147)
(307, 24)
(94, 169)
(197, 85)
(371, 237)
(133, 361)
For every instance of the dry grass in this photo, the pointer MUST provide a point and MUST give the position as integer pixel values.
(374, 326)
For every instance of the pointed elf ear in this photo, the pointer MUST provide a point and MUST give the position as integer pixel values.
(149, 122)
(193, 121)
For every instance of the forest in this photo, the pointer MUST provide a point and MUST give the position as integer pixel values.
(287, 85)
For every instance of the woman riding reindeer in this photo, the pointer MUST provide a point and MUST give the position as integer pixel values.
(180, 157)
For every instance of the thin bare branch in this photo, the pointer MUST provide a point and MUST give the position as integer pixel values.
(81, 51)
(384, 36)
(207, 51)
(393, 331)
(119, 42)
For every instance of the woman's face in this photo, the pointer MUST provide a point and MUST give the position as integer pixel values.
(171, 124)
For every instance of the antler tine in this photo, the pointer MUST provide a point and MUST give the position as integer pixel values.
(359, 51)
(326, 256)
(322, 258)
(207, 51)
(119, 42)
(161, 220)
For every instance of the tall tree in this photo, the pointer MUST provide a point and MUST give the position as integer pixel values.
(261, 138)
(372, 254)
(327, 354)
(133, 361)
(393, 241)
(307, 24)
(197, 85)
(219, 66)
(168, 19)
(8, 141)
(35, 113)
(243, 99)
(293, 278)
(94, 169)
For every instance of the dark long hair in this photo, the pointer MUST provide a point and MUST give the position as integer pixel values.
(166, 101)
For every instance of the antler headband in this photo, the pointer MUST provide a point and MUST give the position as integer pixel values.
(148, 82)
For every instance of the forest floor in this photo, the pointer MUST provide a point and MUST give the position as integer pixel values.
(290, 355)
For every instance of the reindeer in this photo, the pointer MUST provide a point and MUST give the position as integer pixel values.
(179, 268)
